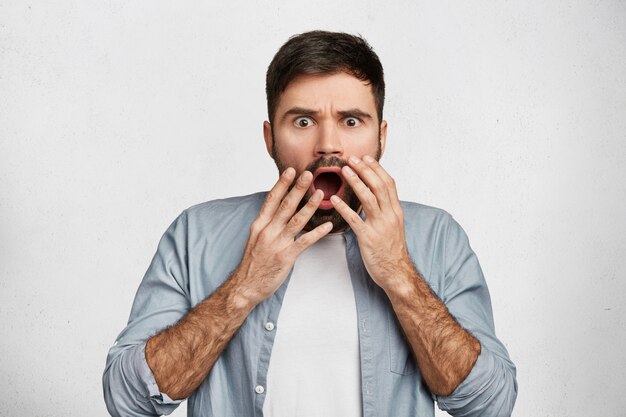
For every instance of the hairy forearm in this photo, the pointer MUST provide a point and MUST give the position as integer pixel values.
(181, 356)
(445, 352)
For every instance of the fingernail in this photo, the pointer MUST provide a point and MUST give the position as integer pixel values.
(348, 171)
(354, 159)
(328, 226)
(317, 196)
(368, 159)
(306, 175)
(289, 172)
(334, 199)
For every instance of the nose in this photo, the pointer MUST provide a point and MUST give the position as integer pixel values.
(329, 141)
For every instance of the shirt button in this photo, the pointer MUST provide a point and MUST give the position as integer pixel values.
(259, 389)
(269, 326)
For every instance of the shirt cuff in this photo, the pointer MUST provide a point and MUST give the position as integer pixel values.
(489, 386)
(162, 402)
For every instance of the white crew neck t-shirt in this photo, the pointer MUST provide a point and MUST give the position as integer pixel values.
(314, 368)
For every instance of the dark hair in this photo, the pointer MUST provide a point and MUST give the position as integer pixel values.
(321, 52)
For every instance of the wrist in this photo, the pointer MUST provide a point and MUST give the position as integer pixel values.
(401, 286)
(242, 296)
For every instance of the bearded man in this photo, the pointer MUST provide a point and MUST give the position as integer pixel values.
(327, 295)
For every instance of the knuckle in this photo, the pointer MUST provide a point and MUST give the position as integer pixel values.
(303, 242)
(284, 205)
(263, 235)
(376, 186)
(354, 218)
(302, 185)
(282, 257)
(371, 199)
(311, 204)
(271, 196)
(255, 228)
(297, 221)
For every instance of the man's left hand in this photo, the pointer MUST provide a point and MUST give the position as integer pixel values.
(445, 352)
(381, 236)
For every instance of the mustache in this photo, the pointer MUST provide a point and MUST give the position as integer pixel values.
(332, 161)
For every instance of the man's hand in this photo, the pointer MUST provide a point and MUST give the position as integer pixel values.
(444, 351)
(271, 250)
(182, 355)
(381, 236)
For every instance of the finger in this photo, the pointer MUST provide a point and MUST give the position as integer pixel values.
(388, 180)
(274, 197)
(297, 222)
(350, 216)
(288, 206)
(309, 238)
(371, 179)
(365, 195)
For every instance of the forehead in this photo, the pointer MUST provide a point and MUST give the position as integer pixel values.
(319, 91)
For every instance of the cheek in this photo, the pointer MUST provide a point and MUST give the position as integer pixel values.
(296, 151)
(287, 156)
(361, 145)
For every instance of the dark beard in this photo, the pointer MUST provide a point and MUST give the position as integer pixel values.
(349, 196)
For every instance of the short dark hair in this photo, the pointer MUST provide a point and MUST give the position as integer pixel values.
(321, 52)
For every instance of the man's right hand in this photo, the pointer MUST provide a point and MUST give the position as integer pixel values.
(182, 355)
(272, 249)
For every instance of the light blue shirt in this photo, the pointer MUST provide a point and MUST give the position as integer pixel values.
(205, 244)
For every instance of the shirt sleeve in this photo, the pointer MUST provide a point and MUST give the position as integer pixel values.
(490, 389)
(161, 300)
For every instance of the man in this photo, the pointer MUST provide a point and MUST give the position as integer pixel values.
(326, 296)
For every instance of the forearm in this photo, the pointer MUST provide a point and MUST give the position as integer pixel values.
(181, 356)
(445, 352)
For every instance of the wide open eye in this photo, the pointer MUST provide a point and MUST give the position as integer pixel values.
(352, 122)
(303, 121)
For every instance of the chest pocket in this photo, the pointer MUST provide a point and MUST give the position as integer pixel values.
(401, 358)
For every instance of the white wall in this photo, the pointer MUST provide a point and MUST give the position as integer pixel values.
(116, 115)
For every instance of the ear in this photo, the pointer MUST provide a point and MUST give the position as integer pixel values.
(267, 136)
(383, 136)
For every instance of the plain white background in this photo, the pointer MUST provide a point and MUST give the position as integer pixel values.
(117, 115)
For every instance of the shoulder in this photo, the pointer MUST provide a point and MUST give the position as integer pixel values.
(421, 214)
(220, 216)
(426, 225)
(242, 206)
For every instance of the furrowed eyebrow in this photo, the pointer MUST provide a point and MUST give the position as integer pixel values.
(299, 111)
(303, 111)
(354, 113)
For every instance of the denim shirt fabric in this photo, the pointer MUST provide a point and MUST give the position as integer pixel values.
(205, 244)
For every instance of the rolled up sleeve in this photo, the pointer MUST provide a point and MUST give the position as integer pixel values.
(162, 299)
(130, 388)
(490, 389)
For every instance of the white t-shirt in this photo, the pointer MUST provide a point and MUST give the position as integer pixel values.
(314, 368)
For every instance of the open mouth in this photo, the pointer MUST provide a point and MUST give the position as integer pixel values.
(330, 181)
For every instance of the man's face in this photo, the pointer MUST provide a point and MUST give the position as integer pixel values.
(319, 122)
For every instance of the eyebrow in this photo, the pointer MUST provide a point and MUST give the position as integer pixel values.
(303, 111)
(300, 111)
(355, 113)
